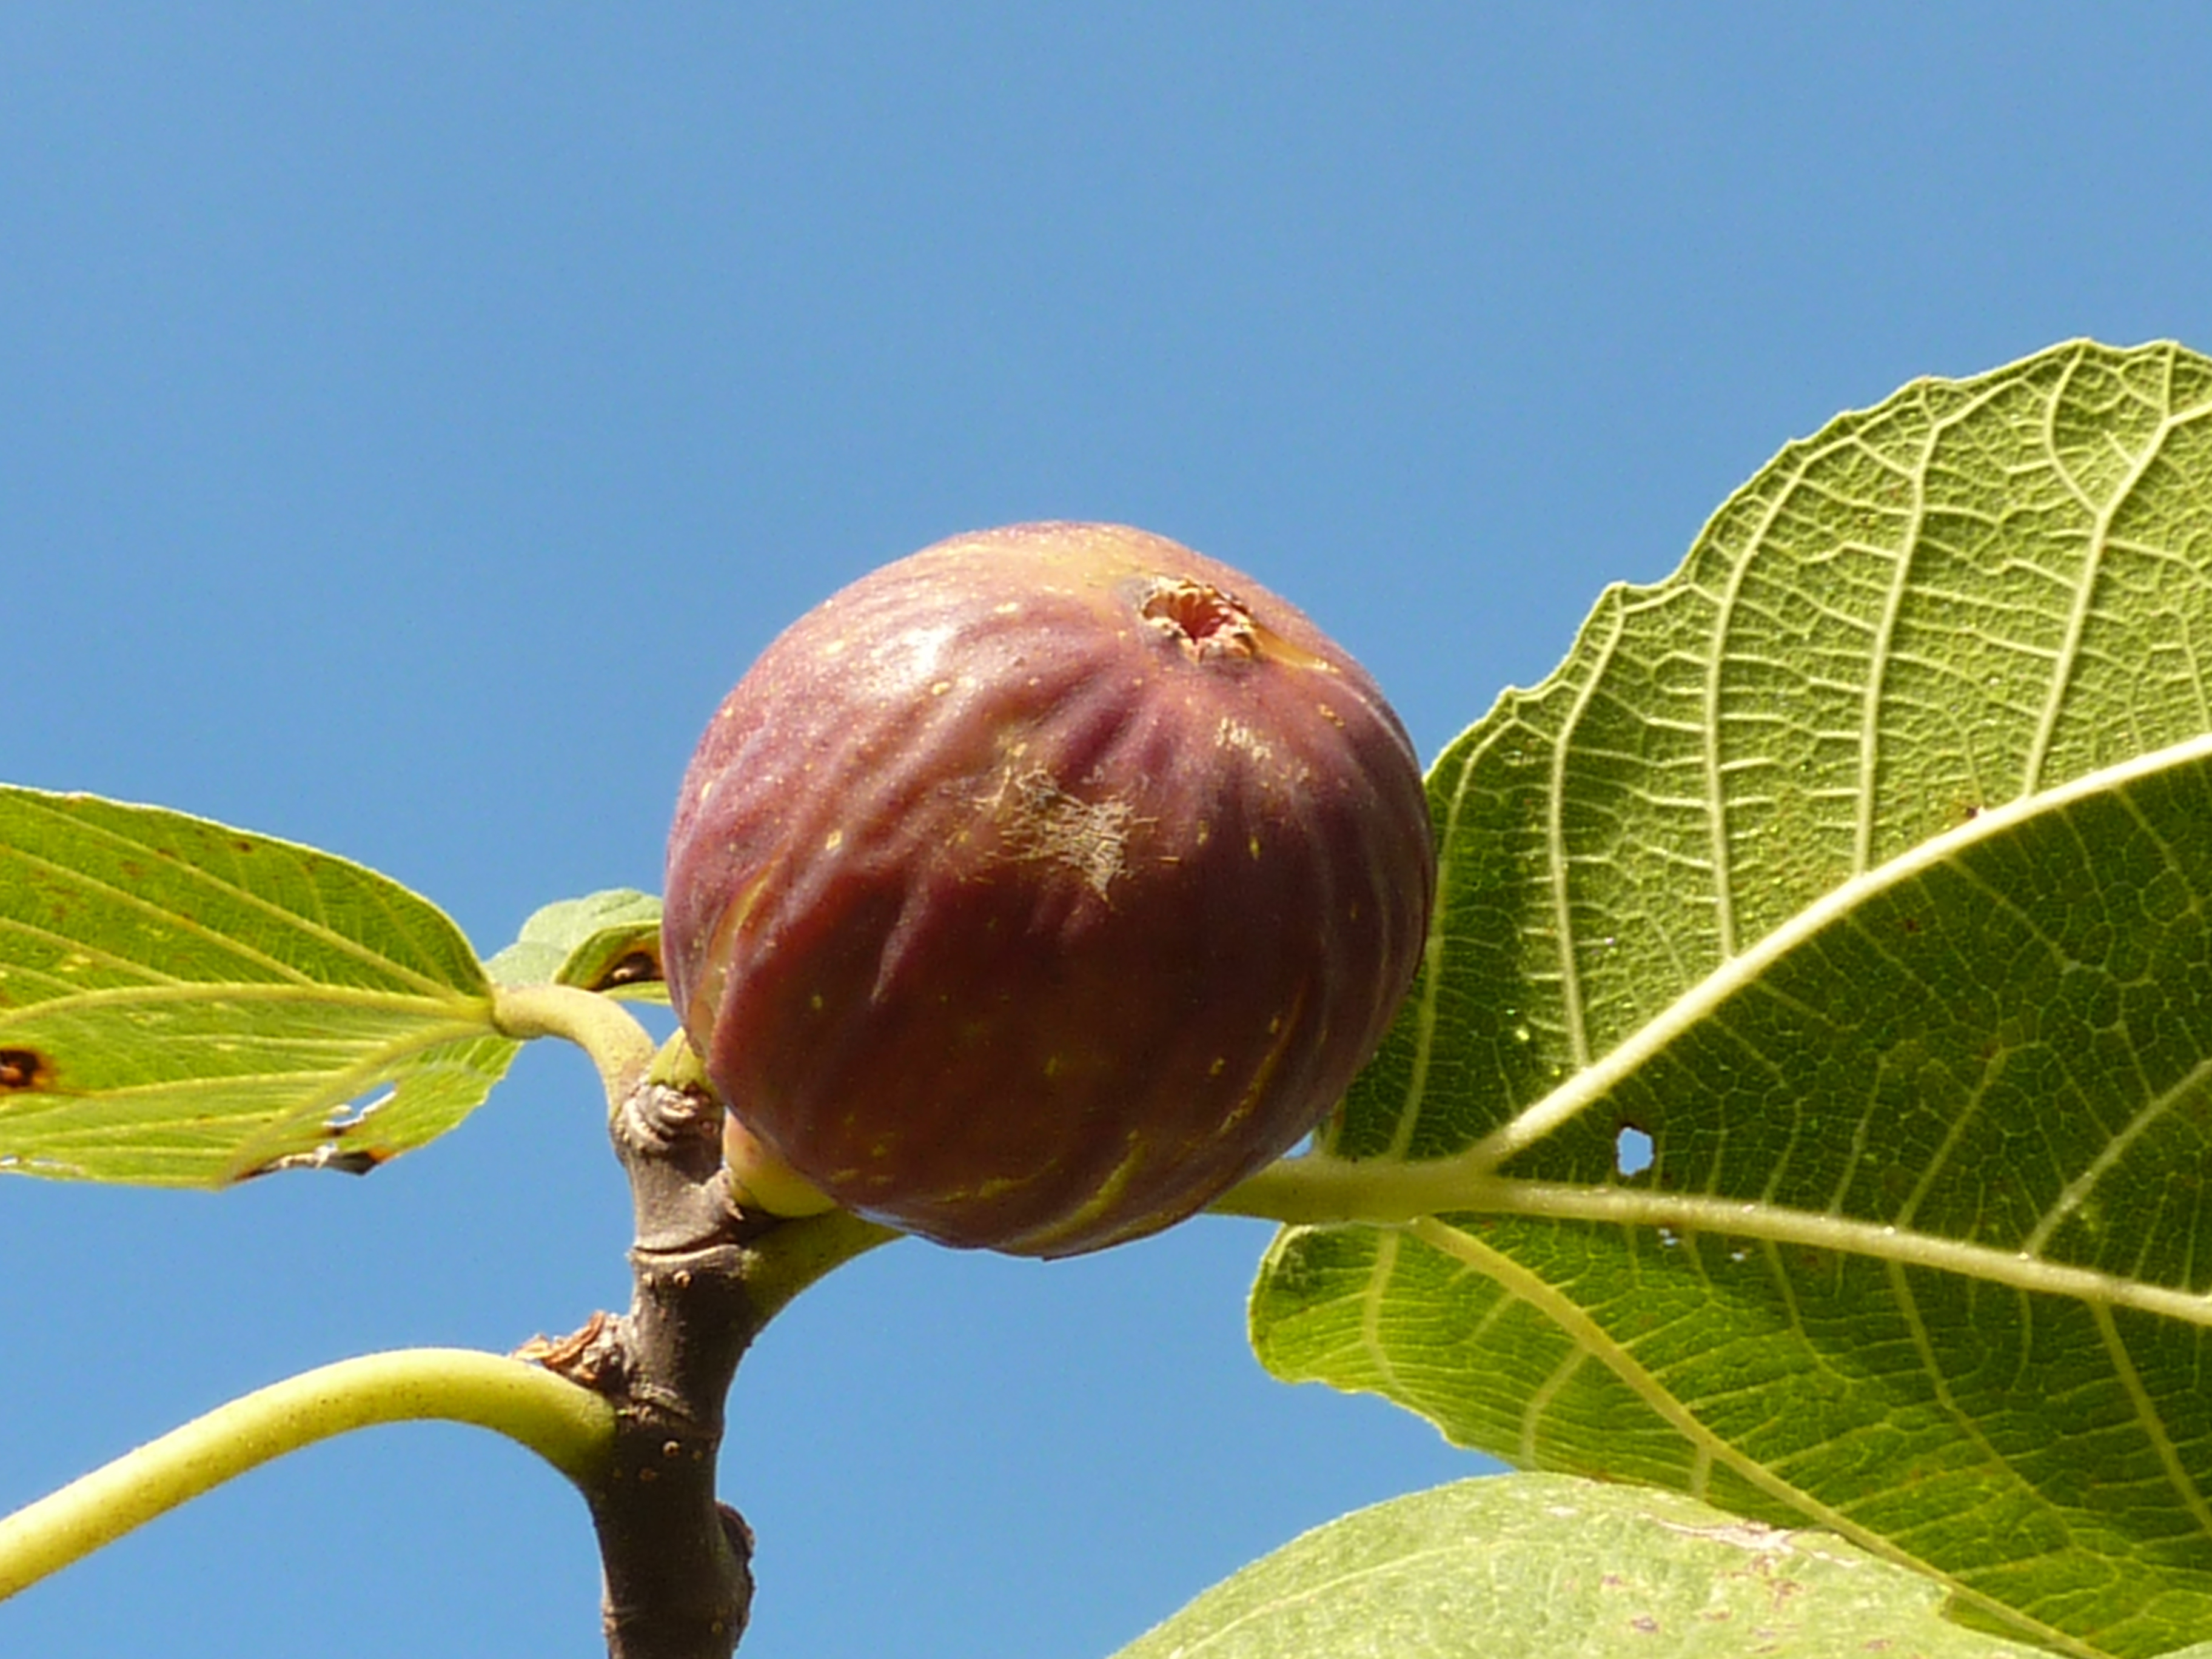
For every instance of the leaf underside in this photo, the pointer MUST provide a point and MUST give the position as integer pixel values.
(1538, 1566)
(184, 1003)
(1865, 865)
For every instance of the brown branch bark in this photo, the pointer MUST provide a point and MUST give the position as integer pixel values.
(707, 1277)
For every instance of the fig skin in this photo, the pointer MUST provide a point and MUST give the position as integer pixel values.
(1037, 888)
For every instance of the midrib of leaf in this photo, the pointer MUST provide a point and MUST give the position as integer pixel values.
(1591, 1339)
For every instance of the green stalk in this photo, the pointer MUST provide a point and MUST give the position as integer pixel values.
(619, 1047)
(569, 1426)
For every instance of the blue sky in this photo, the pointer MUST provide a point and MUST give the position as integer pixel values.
(412, 420)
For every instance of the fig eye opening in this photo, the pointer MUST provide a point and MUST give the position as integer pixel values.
(1202, 619)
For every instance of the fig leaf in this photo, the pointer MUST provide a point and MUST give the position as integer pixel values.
(184, 1003)
(1532, 1565)
(1859, 878)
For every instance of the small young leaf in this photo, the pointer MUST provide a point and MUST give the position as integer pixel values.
(186, 1004)
(1532, 1566)
(608, 942)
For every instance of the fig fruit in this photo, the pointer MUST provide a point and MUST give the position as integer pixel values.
(1035, 889)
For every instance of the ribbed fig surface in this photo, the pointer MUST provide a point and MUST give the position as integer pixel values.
(1035, 889)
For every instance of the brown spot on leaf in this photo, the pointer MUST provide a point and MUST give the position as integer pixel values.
(22, 1070)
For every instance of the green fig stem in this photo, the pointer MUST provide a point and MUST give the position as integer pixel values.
(1314, 1188)
(570, 1427)
(619, 1047)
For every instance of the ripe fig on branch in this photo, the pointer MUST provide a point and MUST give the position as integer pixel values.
(1035, 889)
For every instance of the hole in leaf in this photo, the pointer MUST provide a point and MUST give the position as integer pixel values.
(333, 1152)
(1632, 1152)
(350, 1161)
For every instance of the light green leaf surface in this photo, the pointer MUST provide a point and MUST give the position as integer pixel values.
(184, 1004)
(1866, 865)
(1544, 1566)
(607, 941)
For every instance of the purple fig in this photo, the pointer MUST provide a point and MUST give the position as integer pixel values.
(1035, 890)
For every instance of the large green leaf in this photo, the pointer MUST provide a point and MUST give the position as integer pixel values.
(1866, 866)
(1543, 1566)
(184, 1004)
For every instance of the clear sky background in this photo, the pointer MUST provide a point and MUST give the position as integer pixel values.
(413, 418)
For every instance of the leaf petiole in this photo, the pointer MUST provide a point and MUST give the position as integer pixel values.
(567, 1424)
(619, 1047)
